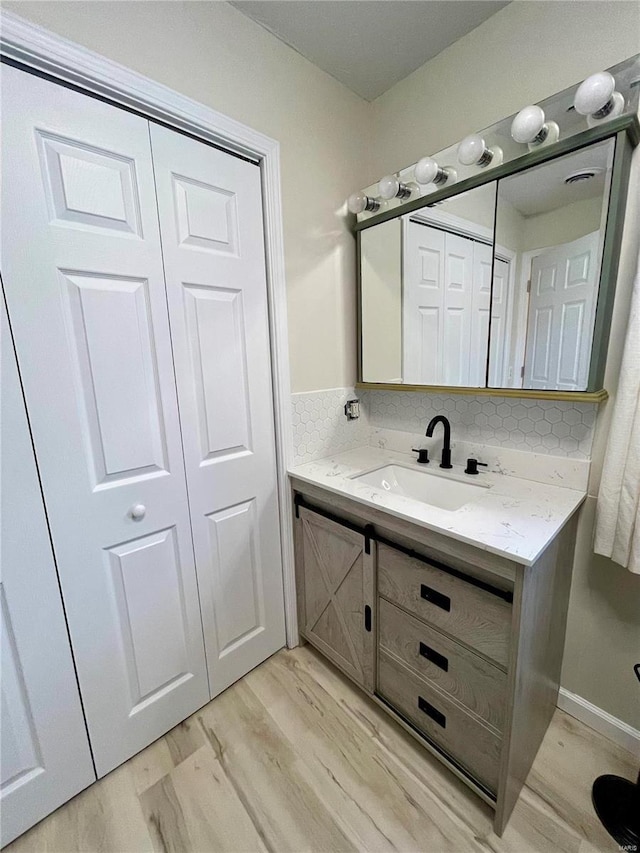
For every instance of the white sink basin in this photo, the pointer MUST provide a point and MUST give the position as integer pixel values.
(429, 488)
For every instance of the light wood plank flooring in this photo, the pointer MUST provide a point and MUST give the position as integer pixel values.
(294, 758)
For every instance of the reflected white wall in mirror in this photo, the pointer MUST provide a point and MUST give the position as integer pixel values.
(552, 218)
(381, 302)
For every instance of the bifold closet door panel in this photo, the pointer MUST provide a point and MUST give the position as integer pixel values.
(210, 209)
(83, 273)
(45, 749)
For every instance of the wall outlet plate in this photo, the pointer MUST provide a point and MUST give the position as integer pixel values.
(352, 409)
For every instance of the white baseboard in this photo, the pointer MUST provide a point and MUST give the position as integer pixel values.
(606, 724)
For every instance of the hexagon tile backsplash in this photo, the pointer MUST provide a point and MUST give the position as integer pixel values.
(556, 428)
(320, 426)
(540, 426)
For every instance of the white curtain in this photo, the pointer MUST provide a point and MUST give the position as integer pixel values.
(618, 509)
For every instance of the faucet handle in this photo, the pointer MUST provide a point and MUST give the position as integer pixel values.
(423, 454)
(472, 466)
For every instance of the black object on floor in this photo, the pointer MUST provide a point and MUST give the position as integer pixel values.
(617, 804)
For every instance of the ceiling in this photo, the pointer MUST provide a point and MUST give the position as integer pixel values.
(369, 45)
(543, 189)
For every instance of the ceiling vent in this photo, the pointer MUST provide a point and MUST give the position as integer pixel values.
(582, 175)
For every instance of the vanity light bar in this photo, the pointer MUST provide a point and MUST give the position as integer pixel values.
(596, 98)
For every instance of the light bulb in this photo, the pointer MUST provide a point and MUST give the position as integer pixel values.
(596, 97)
(529, 126)
(359, 202)
(390, 187)
(472, 151)
(427, 171)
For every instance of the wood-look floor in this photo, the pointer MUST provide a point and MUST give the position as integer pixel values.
(294, 758)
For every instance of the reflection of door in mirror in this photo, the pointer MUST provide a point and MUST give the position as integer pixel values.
(447, 288)
(552, 217)
(447, 255)
(562, 302)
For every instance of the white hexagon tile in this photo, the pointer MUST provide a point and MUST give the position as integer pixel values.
(320, 426)
(557, 428)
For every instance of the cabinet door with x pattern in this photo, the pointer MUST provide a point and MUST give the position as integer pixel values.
(335, 581)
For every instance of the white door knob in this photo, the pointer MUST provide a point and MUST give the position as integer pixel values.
(137, 511)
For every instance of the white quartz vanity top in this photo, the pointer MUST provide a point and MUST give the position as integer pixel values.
(515, 518)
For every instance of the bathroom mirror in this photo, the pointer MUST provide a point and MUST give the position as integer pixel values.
(425, 286)
(500, 283)
(551, 221)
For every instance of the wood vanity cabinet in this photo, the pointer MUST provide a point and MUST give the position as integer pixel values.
(462, 647)
(336, 593)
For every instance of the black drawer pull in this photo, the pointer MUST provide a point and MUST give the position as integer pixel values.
(367, 618)
(430, 711)
(435, 597)
(434, 656)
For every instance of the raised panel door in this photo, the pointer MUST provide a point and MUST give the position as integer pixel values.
(562, 303)
(210, 209)
(83, 272)
(45, 750)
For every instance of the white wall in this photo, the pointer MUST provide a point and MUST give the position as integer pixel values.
(214, 54)
(381, 287)
(521, 55)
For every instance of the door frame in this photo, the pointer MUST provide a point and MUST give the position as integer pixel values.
(35, 48)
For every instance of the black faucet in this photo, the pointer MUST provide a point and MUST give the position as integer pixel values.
(445, 462)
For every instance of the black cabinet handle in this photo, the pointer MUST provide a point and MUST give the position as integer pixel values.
(437, 716)
(367, 618)
(434, 656)
(435, 597)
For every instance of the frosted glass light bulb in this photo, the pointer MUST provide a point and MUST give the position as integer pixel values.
(359, 202)
(427, 171)
(472, 150)
(529, 126)
(594, 93)
(388, 187)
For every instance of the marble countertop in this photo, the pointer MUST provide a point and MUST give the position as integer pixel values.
(514, 518)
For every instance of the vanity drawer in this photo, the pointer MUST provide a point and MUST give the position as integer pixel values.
(473, 681)
(477, 617)
(463, 738)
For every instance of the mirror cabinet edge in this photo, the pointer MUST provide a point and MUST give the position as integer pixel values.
(625, 144)
(626, 132)
(572, 396)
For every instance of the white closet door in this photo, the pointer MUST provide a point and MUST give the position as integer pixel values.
(212, 236)
(45, 750)
(480, 305)
(562, 303)
(498, 361)
(83, 273)
(423, 304)
(458, 302)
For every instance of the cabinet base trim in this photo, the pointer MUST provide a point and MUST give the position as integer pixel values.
(601, 721)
